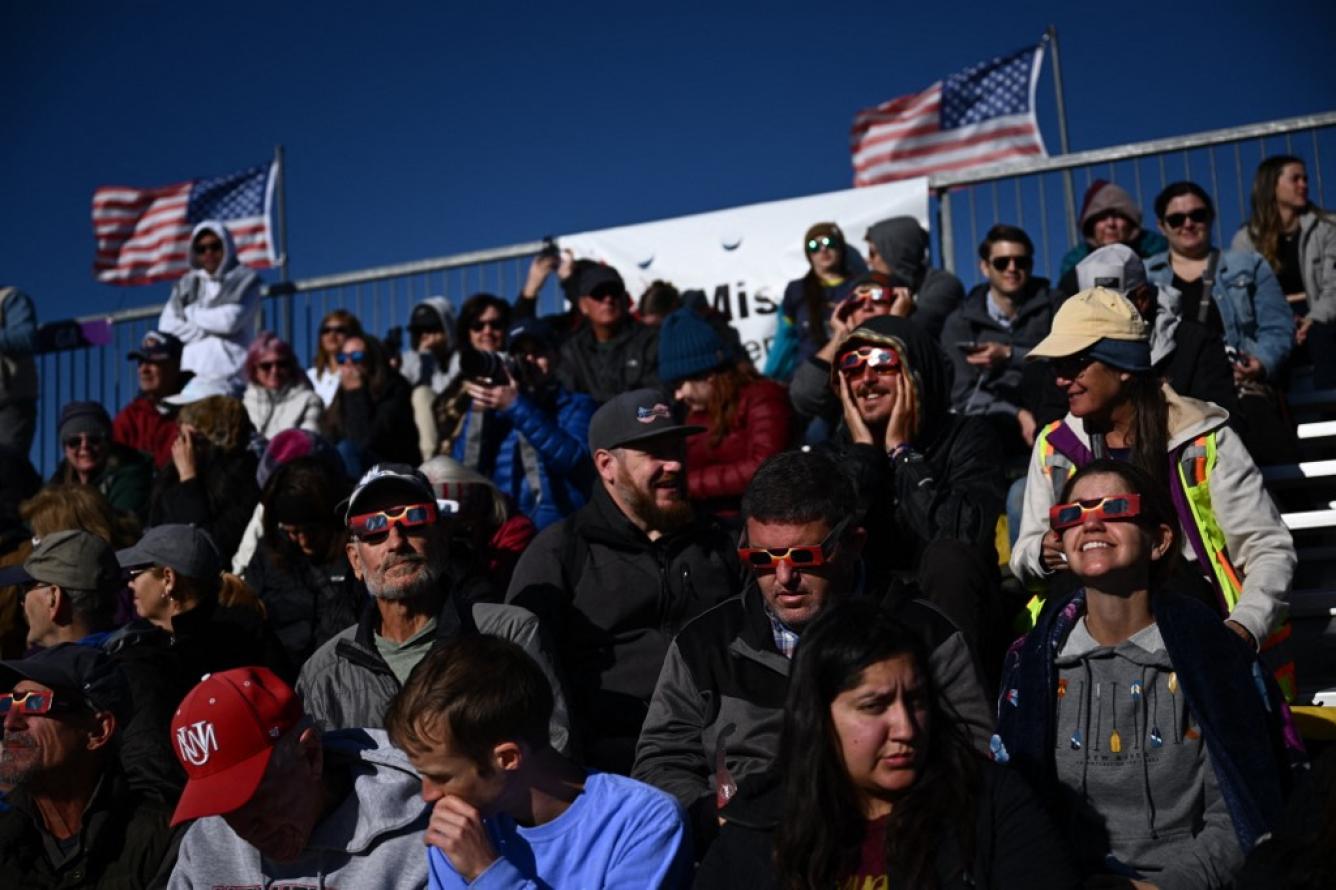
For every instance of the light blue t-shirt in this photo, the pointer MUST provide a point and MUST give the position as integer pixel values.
(618, 833)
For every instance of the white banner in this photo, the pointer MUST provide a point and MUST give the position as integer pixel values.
(743, 257)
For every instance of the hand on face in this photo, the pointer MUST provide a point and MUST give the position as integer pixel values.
(456, 830)
(904, 414)
(183, 452)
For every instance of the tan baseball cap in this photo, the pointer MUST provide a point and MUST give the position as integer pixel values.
(1088, 317)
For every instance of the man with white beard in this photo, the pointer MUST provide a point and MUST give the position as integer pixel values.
(399, 546)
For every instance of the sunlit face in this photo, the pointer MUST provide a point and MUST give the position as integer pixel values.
(874, 391)
(862, 307)
(1011, 279)
(445, 771)
(86, 453)
(826, 259)
(1191, 237)
(333, 331)
(1093, 390)
(487, 333)
(404, 564)
(797, 595)
(1111, 227)
(695, 392)
(38, 745)
(151, 601)
(282, 813)
(39, 602)
(271, 372)
(1098, 548)
(882, 727)
(1292, 187)
(649, 481)
(605, 307)
(208, 249)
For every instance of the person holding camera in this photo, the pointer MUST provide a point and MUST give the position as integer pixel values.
(524, 430)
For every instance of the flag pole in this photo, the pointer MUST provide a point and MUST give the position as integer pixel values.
(1051, 38)
(282, 212)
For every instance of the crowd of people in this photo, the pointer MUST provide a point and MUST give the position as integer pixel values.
(961, 589)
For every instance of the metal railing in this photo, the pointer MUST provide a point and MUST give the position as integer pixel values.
(965, 205)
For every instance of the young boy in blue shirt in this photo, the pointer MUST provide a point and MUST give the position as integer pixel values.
(507, 809)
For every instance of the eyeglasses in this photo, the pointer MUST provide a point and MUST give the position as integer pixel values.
(1002, 263)
(825, 242)
(1200, 215)
(1113, 507)
(209, 247)
(357, 356)
(802, 557)
(490, 323)
(132, 572)
(266, 367)
(32, 702)
(375, 527)
(333, 329)
(880, 360)
(1069, 367)
(88, 440)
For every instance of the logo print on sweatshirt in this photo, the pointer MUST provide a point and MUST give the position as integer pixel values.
(196, 742)
(649, 415)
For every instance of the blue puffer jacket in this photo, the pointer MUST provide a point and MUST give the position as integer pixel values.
(1257, 319)
(559, 436)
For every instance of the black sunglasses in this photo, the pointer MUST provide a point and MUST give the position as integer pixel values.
(1177, 220)
(825, 241)
(268, 366)
(1069, 367)
(92, 440)
(209, 247)
(485, 325)
(1000, 263)
(333, 329)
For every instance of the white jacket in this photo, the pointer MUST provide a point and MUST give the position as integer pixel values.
(214, 315)
(272, 411)
(1258, 542)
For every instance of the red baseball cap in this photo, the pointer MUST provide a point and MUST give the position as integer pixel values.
(224, 733)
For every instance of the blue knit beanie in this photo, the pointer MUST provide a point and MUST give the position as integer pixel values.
(688, 346)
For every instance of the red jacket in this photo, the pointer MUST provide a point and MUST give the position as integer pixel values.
(141, 425)
(718, 475)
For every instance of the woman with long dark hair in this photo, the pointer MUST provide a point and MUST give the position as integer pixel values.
(1157, 740)
(371, 417)
(876, 780)
(1240, 557)
(1298, 239)
(805, 311)
(337, 326)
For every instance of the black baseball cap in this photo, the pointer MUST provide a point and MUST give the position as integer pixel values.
(158, 346)
(635, 416)
(597, 277)
(72, 668)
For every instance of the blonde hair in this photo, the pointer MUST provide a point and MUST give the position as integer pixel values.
(220, 419)
(61, 507)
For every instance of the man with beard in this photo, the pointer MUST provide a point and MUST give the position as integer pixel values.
(398, 546)
(72, 822)
(280, 805)
(615, 581)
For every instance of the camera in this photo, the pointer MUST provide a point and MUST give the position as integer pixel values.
(490, 368)
(549, 247)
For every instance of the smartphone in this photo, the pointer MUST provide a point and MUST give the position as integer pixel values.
(968, 346)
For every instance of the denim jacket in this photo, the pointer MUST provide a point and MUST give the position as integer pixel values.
(1257, 319)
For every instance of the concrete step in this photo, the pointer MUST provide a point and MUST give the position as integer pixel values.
(1310, 520)
(1306, 471)
(1325, 429)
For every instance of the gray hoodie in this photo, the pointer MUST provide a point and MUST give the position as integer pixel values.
(903, 244)
(373, 838)
(1136, 779)
(422, 368)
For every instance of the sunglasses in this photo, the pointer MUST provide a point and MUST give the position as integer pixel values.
(130, 573)
(1002, 263)
(333, 329)
(266, 367)
(209, 247)
(90, 440)
(802, 557)
(357, 356)
(1113, 507)
(485, 325)
(879, 359)
(825, 242)
(1069, 367)
(375, 527)
(33, 703)
(1177, 220)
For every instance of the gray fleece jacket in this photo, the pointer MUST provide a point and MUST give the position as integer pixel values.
(372, 839)
(1137, 783)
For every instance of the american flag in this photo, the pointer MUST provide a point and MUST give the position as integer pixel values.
(143, 235)
(977, 116)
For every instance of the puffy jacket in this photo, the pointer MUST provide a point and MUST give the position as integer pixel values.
(146, 425)
(717, 475)
(1257, 319)
(613, 599)
(18, 341)
(382, 424)
(124, 843)
(346, 683)
(1256, 538)
(125, 479)
(214, 315)
(724, 680)
(372, 839)
(556, 433)
(306, 603)
(630, 360)
(1317, 257)
(983, 390)
(295, 406)
(219, 499)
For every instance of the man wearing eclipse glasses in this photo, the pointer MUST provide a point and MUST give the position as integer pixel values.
(398, 545)
(716, 713)
(929, 482)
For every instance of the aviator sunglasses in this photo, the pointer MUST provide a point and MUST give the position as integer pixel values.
(804, 557)
(374, 527)
(1113, 507)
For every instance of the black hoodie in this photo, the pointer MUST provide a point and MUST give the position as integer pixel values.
(903, 244)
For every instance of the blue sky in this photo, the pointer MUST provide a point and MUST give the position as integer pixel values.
(415, 131)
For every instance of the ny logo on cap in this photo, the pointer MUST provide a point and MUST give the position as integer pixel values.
(649, 415)
(196, 742)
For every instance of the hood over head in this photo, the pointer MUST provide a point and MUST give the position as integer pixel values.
(230, 261)
(903, 244)
(440, 308)
(927, 363)
(1102, 196)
